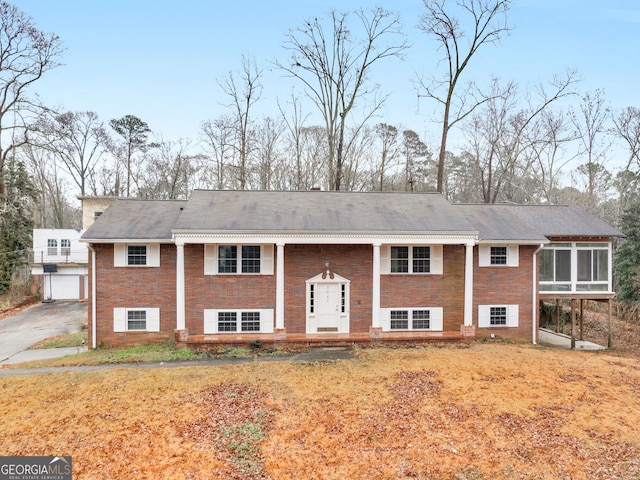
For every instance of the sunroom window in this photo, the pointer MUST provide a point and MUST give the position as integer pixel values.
(566, 267)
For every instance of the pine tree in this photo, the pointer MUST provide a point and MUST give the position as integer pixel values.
(627, 256)
(16, 221)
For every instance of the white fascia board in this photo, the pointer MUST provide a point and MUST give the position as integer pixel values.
(127, 240)
(445, 238)
(513, 242)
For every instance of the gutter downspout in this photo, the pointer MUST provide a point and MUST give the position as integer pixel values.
(93, 297)
(534, 312)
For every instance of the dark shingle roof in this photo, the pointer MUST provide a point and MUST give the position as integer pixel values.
(136, 219)
(500, 223)
(564, 221)
(319, 212)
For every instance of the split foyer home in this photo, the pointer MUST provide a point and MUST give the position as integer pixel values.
(312, 266)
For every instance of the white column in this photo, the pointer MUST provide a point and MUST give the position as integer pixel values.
(280, 286)
(468, 285)
(180, 309)
(375, 300)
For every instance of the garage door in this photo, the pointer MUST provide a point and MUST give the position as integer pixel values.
(62, 287)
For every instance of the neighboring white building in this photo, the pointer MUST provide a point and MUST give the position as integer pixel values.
(60, 264)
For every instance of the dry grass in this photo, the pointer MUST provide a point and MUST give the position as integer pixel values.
(485, 411)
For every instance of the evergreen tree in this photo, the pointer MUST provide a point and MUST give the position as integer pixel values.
(627, 257)
(16, 221)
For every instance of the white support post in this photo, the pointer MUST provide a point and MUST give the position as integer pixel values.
(280, 286)
(468, 286)
(180, 303)
(375, 300)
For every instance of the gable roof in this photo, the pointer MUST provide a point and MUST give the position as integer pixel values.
(132, 219)
(319, 212)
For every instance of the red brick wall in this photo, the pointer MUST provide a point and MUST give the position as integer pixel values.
(505, 285)
(353, 262)
(155, 287)
(130, 287)
(446, 290)
(221, 291)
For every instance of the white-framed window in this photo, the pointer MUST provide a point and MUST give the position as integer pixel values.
(497, 316)
(136, 255)
(65, 247)
(52, 247)
(409, 319)
(238, 321)
(577, 267)
(411, 259)
(498, 255)
(221, 259)
(137, 319)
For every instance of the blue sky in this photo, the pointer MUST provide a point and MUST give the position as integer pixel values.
(162, 60)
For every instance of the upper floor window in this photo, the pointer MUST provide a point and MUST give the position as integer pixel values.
(136, 254)
(228, 259)
(498, 255)
(415, 259)
(65, 247)
(52, 246)
(238, 259)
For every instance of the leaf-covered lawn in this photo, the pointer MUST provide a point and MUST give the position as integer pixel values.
(485, 411)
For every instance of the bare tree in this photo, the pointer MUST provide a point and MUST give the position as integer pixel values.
(487, 24)
(26, 54)
(294, 139)
(388, 135)
(219, 136)
(333, 63)
(78, 139)
(592, 134)
(244, 92)
(170, 171)
(503, 131)
(267, 151)
(627, 128)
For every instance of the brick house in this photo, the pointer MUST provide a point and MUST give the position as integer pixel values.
(238, 266)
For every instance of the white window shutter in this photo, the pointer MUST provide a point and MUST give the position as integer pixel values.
(153, 319)
(484, 256)
(119, 320)
(210, 259)
(437, 319)
(266, 321)
(210, 321)
(513, 255)
(266, 259)
(153, 255)
(484, 316)
(385, 319)
(436, 260)
(512, 315)
(119, 255)
(385, 259)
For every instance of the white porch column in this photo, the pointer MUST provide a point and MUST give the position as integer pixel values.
(280, 286)
(375, 297)
(468, 286)
(180, 304)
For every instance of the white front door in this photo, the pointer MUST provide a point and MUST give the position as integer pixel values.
(328, 305)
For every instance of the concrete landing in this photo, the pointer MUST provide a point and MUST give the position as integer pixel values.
(560, 340)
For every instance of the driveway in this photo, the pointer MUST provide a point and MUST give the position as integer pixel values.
(18, 332)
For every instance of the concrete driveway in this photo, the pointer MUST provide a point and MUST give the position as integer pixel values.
(18, 332)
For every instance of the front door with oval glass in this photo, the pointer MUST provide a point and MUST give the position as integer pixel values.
(328, 304)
